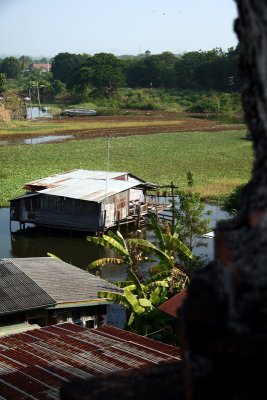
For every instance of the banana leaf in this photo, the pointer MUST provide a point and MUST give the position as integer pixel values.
(109, 242)
(145, 303)
(183, 251)
(102, 262)
(134, 302)
(112, 296)
(53, 256)
(164, 257)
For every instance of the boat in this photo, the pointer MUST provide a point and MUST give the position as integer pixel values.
(74, 112)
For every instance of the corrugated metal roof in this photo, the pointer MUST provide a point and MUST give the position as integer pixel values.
(35, 364)
(76, 174)
(17, 328)
(88, 189)
(65, 283)
(18, 291)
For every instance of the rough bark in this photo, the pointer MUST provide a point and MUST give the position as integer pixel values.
(225, 314)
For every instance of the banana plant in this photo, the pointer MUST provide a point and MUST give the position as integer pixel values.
(140, 300)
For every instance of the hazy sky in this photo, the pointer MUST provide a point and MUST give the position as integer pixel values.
(48, 27)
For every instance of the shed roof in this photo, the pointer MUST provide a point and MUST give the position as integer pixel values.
(85, 185)
(79, 174)
(89, 189)
(18, 291)
(35, 364)
(63, 282)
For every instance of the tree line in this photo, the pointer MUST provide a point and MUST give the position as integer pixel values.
(103, 73)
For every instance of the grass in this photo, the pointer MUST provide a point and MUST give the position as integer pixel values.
(220, 161)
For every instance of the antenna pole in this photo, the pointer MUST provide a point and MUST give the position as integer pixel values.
(108, 155)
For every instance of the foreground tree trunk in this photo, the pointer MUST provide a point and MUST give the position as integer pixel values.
(225, 314)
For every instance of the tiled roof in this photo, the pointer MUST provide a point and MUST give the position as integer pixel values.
(35, 364)
(63, 282)
(18, 291)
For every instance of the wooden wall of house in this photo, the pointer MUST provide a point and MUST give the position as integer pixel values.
(58, 212)
(116, 207)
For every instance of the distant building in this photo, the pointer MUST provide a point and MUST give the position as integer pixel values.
(43, 67)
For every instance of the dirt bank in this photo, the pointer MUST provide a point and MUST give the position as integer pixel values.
(154, 122)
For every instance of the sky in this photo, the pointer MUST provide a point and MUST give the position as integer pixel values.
(46, 28)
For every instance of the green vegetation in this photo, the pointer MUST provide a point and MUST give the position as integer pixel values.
(232, 203)
(143, 291)
(197, 81)
(220, 161)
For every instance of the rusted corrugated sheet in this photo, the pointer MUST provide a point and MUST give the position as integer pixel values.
(35, 364)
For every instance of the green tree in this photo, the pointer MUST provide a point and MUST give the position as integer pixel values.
(192, 220)
(11, 67)
(232, 203)
(103, 72)
(3, 83)
(63, 65)
(106, 72)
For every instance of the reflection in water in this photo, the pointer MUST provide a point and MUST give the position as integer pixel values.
(75, 249)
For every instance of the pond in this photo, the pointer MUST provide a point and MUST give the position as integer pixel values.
(37, 112)
(75, 249)
(36, 140)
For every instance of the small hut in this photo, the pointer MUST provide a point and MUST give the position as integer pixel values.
(82, 200)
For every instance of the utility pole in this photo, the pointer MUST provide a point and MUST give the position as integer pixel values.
(30, 96)
(231, 83)
(38, 95)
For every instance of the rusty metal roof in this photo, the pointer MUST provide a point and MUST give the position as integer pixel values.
(173, 305)
(60, 281)
(18, 291)
(34, 364)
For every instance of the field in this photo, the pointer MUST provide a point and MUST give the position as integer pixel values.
(159, 148)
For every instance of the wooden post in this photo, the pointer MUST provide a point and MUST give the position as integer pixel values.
(173, 207)
(118, 220)
(138, 216)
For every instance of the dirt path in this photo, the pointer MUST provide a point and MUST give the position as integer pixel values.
(154, 123)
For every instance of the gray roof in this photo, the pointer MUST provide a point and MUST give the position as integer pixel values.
(63, 282)
(18, 291)
(85, 185)
(80, 174)
(89, 189)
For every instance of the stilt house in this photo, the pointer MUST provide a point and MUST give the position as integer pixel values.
(82, 200)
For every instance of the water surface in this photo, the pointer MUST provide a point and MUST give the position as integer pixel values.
(74, 248)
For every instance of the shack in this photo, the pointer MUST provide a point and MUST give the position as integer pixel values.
(82, 200)
(44, 291)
